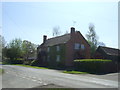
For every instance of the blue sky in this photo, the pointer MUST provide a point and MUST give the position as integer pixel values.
(31, 20)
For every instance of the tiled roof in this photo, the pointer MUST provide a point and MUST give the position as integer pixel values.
(110, 51)
(57, 40)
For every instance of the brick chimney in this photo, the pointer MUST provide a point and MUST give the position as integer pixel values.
(44, 38)
(72, 30)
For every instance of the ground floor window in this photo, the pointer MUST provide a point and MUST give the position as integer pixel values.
(58, 58)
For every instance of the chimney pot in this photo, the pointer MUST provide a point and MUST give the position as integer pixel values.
(72, 30)
(44, 38)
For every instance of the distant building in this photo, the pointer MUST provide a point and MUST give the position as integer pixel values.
(62, 50)
(107, 53)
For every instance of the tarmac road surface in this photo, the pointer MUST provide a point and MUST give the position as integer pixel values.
(24, 77)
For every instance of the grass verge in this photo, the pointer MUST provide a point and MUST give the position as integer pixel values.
(0, 62)
(30, 66)
(1, 71)
(74, 72)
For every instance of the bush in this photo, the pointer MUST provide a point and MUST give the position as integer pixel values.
(91, 65)
(9, 61)
(17, 62)
(34, 63)
(92, 60)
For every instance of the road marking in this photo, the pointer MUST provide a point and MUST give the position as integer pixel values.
(34, 80)
(44, 83)
(23, 77)
(39, 79)
(40, 82)
(33, 77)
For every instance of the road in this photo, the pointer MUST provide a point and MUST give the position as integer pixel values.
(24, 77)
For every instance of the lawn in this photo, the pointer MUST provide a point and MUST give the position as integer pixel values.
(0, 62)
(74, 72)
(31, 66)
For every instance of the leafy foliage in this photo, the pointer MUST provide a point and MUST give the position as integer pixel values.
(13, 50)
(31, 66)
(18, 49)
(92, 39)
(91, 60)
(28, 49)
(2, 46)
(56, 31)
(74, 72)
(91, 65)
(91, 36)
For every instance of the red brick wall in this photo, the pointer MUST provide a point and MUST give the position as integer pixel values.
(75, 38)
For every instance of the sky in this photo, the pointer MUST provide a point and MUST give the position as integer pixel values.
(31, 20)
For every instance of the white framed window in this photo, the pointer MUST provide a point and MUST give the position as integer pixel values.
(58, 48)
(58, 58)
(82, 46)
(77, 46)
(48, 49)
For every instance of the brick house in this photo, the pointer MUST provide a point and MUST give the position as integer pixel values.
(62, 50)
(107, 53)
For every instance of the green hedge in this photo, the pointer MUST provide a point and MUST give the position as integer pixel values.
(8, 61)
(91, 65)
(92, 60)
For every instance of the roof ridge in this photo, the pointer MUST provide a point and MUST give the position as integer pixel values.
(109, 47)
(58, 36)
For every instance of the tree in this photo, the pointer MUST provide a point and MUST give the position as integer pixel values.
(101, 44)
(92, 38)
(56, 31)
(13, 49)
(2, 47)
(28, 49)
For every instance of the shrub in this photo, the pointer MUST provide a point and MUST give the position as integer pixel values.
(17, 62)
(91, 65)
(92, 60)
(9, 61)
(34, 63)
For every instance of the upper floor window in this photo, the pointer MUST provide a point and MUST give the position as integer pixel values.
(58, 48)
(48, 49)
(77, 46)
(82, 46)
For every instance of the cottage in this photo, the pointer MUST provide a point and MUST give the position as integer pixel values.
(62, 50)
(107, 53)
